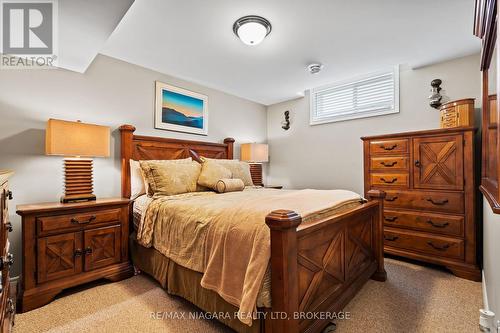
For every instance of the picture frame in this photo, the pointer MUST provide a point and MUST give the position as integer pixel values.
(180, 110)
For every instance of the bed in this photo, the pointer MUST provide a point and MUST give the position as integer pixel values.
(314, 267)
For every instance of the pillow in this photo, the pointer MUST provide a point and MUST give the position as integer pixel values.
(239, 169)
(169, 177)
(211, 172)
(229, 185)
(137, 181)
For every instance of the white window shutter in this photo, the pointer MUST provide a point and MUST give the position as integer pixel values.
(371, 95)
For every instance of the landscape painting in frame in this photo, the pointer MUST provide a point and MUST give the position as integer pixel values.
(180, 110)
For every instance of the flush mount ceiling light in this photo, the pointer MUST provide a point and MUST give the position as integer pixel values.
(252, 29)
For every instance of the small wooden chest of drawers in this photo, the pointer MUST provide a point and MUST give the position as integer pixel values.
(7, 303)
(457, 113)
(429, 209)
(65, 245)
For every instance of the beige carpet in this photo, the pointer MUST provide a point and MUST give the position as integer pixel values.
(414, 299)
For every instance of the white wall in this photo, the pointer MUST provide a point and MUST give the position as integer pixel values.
(491, 262)
(330, 155)
(110, 93)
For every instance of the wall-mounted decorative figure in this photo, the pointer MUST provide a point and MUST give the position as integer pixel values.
(286, 123)
(435, 97)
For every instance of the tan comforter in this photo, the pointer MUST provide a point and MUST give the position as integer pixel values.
(225, 236)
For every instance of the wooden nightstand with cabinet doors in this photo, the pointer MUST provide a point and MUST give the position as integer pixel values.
(68, 244)
(7, 304)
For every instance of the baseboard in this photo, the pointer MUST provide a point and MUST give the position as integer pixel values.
(486, 304)
(485, 293)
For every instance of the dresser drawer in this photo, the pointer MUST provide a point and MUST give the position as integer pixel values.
(389, 146)
(8, 320)
(4, 203)
(426, 200)
(57, 223)
(390, 179)
(5, 224)
(424, 243)
(389, 163)
(434, 223)
(8, 308)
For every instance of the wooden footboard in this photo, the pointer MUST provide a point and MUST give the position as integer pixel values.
(318, 268)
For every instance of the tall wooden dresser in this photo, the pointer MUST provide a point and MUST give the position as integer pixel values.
(7, 303)
(429, 210)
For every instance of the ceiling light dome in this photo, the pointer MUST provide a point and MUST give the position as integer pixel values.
(252, 29)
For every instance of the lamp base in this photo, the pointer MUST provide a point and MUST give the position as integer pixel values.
(78, 183)
(77, 198)
(256, 173)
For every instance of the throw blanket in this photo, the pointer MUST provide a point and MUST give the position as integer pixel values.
(225, 237)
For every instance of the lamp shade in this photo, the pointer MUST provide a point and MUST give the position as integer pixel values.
(254, 152)
(69, 138)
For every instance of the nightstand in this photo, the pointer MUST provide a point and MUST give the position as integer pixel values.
(65, 245)
(277, 187)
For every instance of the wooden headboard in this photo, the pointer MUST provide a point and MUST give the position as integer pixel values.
(139, 147)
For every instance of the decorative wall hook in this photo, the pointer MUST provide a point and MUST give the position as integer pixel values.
(286, 123)
(435, 97)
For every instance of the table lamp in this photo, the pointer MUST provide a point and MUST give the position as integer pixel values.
(78, 142)
(255, 154)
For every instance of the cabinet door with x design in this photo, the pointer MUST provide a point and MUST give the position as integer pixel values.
(102, 247)
(438, 162)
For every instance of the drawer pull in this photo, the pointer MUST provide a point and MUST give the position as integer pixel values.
(389, 148)
(88, 250)
(392, 181)
(75, 221)
(438, 203)
(389, 165)
(9, 195)
(390, 218)
(391, 238)
(391, 198)
(8, 226)
(417, 164)
(78, 252)
(9, 259)
(439, 248)
(438, 225)
(6, 261)
(10, 306)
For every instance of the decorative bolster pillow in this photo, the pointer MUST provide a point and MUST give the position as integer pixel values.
(229, 185)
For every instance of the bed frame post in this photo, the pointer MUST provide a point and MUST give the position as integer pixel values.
(284, 274)
(126, 135)
(380, 274)
(230, 147)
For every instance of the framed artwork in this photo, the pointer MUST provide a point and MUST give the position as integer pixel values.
(180, 110)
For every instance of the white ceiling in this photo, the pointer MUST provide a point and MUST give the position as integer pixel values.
(193, 39)
(84, 27)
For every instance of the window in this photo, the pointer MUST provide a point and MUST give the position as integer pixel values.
(371, 95)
